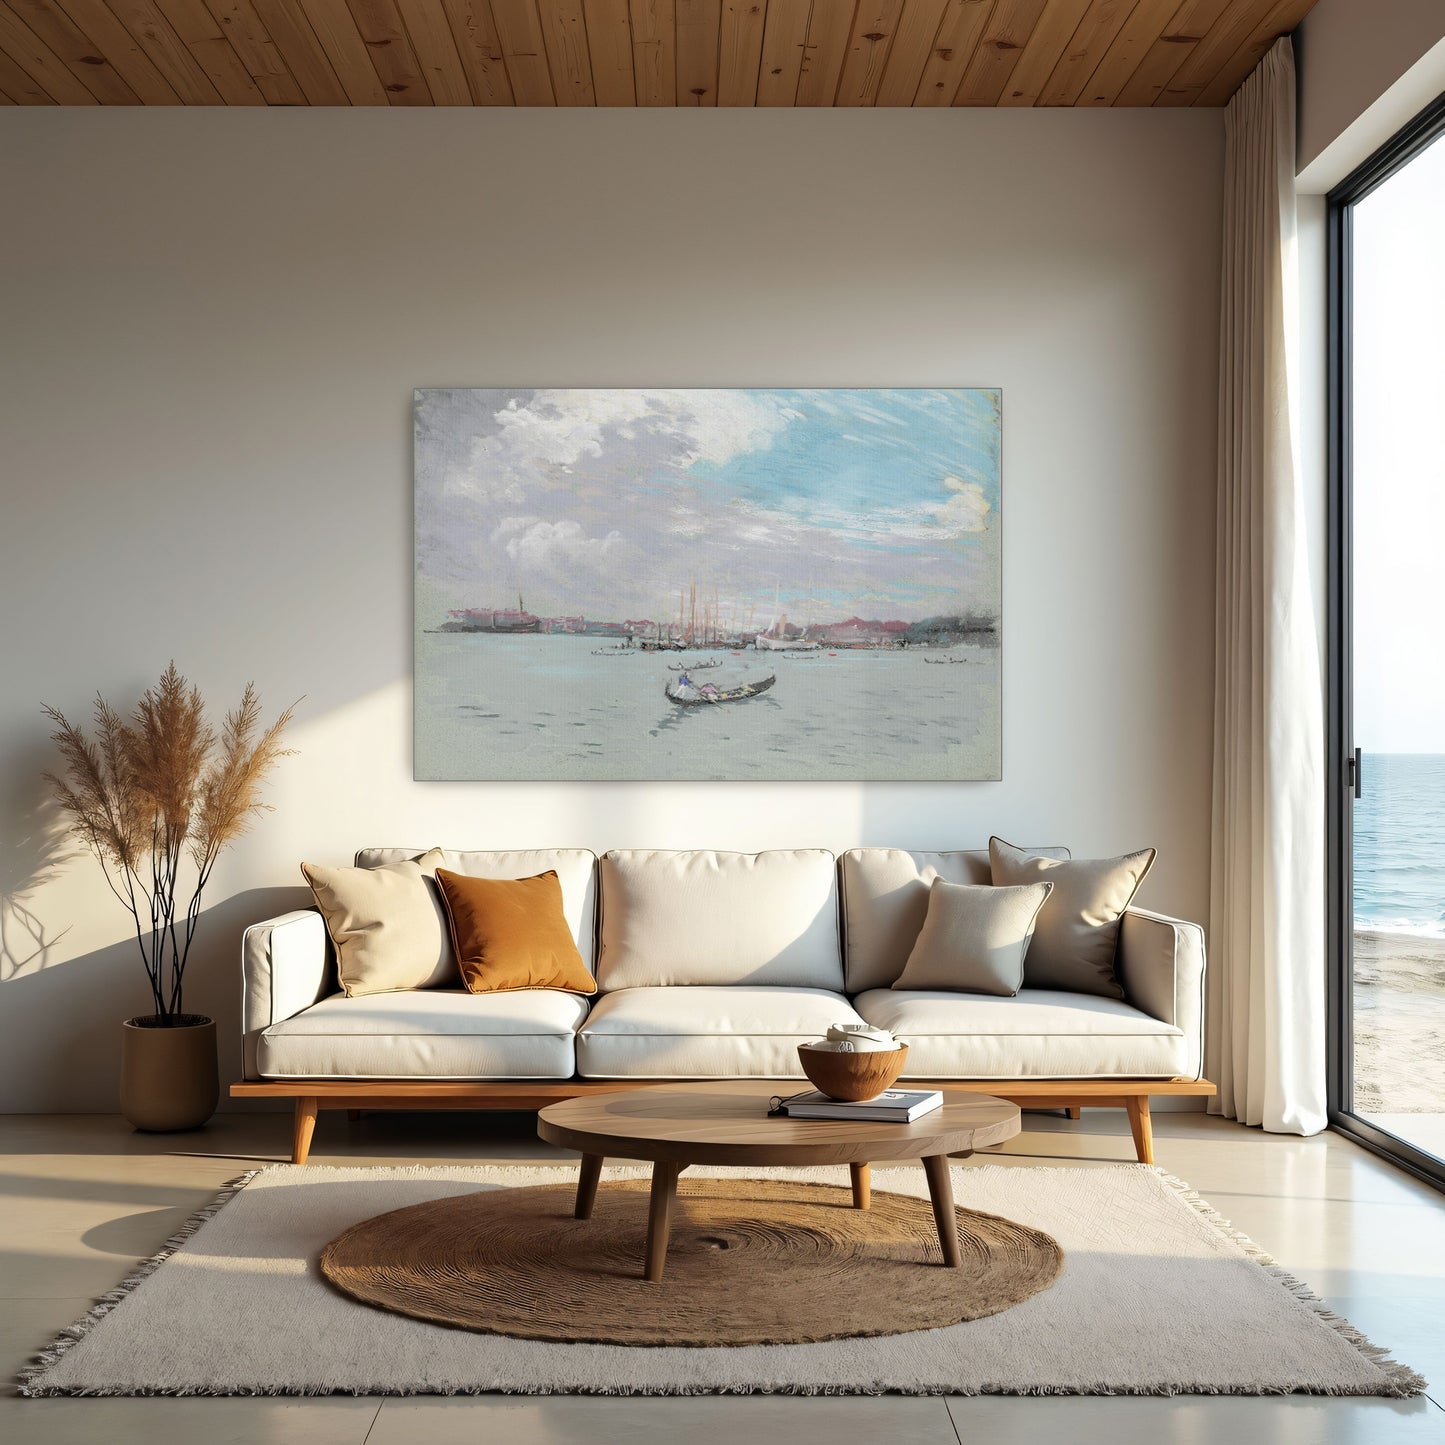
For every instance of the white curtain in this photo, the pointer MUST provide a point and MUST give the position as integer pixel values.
(1265, 1029)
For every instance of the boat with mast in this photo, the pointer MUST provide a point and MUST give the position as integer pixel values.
(775, 637)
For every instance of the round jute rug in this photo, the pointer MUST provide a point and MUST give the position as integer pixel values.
(750, 1262)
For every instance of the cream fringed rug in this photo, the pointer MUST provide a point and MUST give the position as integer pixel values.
(1157, 1296)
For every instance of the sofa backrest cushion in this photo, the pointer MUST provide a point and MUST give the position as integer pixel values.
(764, 919)
(885, 900)
(576, 869)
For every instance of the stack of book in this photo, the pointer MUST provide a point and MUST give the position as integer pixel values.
(893, 1106)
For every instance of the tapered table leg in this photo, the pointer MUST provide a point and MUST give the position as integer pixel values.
(659, 1217)
(587, 1186)
(940, 1190)
(862, 1186)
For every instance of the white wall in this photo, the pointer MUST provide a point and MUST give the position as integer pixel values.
(1365, 68)
(213, 322)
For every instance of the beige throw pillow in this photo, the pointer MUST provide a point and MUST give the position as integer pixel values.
(974, 938)
(1077, 934)
(388, 925)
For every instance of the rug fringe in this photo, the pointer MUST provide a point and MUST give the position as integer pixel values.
(72, 1335)
(1403, 1381)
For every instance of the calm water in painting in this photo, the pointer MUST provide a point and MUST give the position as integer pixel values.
(547, 707)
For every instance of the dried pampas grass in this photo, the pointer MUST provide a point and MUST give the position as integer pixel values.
(161, 788)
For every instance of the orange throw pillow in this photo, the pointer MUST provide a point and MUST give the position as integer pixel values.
(511, 933)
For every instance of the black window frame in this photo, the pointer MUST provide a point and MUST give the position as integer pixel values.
(1394, 155)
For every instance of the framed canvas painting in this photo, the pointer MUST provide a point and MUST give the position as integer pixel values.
(708, 584)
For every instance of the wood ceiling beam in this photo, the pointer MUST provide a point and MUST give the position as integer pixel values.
(569, 60)
(1127, 52)
(44, 67)
(912, 43)
(430, 32)
(954, 47)
(251, 40)
(76, 50)
(112, 40)
(785, 37)
(826, 48)
(998, 51)
(524, 50)
(19, 86)
(697, 23)
(1281, 20)
(618, 53)
(335, 30)
(1044, 50)
(383, 32)
(609, 38)
(203, 37)
(740, 51)
(297, 44)
(1089, 44)
(875, 26)
(1186, 28)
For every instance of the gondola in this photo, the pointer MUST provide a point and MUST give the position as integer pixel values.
(942, 661)
(693, 666)
(709, 695)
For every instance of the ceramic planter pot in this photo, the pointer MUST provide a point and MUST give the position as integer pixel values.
(168, 1076)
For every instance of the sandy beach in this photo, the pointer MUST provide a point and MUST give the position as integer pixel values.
(1399, 1023)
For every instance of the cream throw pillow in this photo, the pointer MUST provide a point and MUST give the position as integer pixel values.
(974, 938)
(388, 925)
(1077, 934)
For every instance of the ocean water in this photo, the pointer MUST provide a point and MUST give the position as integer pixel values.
(1400, 844)
(547, 707)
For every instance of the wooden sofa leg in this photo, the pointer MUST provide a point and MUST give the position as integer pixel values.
(1075, 1112)
(1140, 1127)
(305, 1127)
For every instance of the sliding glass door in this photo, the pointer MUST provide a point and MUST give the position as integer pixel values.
(1388, 445)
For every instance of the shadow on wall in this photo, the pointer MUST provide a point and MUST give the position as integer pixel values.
(31, 856)
(74, 1009)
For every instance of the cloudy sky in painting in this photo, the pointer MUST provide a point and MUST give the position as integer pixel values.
(607, 503)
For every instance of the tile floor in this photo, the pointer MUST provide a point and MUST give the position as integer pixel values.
(82, 1197)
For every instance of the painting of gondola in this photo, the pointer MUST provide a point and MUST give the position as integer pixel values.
(708, 584)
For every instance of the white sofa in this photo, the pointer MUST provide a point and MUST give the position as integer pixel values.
(714, 965)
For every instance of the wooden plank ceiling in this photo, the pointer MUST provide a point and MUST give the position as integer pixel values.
(634, 52)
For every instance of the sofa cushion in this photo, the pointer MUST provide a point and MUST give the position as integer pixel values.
(386, 924)
(511, 933)
(885, 900)
(704, 1033)
(1077, 934)
(430, 1034)
(576, 869)
(758, 919)
(1039, 1033)
(974, 939)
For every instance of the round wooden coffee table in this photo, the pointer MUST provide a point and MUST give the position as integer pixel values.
(675, 1125)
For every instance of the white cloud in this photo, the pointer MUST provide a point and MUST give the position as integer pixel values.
(556, 429)
(509, 526)
(966, 510)
(546, 544)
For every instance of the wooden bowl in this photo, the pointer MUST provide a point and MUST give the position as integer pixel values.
(854, 1077)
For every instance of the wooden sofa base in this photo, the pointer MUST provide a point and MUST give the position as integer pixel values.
(353, 1095)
